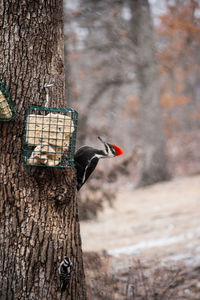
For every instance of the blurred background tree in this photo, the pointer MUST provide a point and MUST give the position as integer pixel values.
(154, 160)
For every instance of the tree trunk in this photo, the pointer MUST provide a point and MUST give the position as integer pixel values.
(154, 167)
(39, 222)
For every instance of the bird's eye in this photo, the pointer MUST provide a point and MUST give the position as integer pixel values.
(113, 150)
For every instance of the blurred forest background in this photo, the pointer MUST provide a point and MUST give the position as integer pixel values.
(102, 85)
(137, 86)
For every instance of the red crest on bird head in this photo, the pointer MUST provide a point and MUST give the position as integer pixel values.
(118, 150)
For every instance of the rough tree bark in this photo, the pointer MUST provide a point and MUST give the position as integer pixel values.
(39, 222)
(154, 166)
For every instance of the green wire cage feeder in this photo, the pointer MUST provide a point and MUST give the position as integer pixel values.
(50, 137)
(7, 106)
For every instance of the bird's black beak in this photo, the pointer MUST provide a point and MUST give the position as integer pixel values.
(101, 140)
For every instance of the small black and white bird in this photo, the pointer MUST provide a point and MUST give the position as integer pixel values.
(65, 270)
(86, 159)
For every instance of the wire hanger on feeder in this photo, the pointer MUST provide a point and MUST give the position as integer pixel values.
(46, 86)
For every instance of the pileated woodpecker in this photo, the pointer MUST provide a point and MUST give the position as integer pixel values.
(86, 159)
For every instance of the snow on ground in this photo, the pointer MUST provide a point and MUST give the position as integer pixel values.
(157, 222)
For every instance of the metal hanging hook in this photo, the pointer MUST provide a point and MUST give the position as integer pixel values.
(47, 85)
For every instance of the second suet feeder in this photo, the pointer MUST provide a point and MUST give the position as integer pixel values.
(7, 107)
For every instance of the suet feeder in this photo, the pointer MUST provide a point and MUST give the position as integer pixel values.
(7, 106)
(50, 137)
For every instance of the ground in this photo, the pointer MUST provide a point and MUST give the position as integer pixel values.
(160, 223)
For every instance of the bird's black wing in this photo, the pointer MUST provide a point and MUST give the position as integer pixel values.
(85, 165)
(64, 284)
(92, 165)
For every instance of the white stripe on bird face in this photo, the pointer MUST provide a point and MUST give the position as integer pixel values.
(110, 151)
